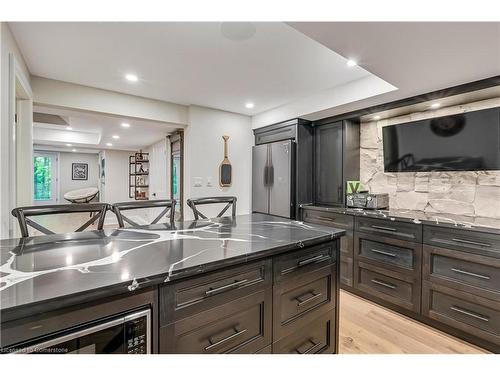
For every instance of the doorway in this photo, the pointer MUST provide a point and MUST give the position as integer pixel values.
(45, 179)
(177, 172)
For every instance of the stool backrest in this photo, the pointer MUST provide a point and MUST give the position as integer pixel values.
(168, 206)
(193, 203)
(23, 214)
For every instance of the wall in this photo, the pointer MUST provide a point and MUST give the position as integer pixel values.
(8, 46)
(460, 193)
(69, 95)
(318, 106)
(66, 183)
(117, 176)
(204, 151)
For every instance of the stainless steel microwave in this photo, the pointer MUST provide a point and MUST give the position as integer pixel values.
(126, 334)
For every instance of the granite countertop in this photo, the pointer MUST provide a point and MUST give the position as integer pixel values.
(36, 270)
(477, 223)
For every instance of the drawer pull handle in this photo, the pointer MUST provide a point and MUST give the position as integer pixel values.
(478, 275)
(225, 287)
(311, 349)
(470, 313)
(315, 259)
(387, 285)
(325, 218)
(392, 255)
(384, 228)
(459, 240)
(301, 302)
(226, 339)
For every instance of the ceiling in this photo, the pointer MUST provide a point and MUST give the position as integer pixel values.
(218, 65)
(416, 57)
(94, 131)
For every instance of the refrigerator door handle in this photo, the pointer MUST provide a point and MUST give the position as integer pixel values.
(265, 175)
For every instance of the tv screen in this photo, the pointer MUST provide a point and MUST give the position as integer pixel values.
(463, 142)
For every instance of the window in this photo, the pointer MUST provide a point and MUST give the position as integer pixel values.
(44, 177)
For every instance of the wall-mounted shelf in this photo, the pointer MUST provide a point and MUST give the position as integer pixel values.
(139, 176)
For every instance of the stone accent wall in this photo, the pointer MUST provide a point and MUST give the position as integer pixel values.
(460, 193)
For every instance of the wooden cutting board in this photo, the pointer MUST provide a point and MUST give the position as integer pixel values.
(225, 169)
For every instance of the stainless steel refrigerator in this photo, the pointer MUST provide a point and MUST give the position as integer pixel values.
(273, 178)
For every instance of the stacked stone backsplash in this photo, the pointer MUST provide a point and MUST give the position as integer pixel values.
(460, 193)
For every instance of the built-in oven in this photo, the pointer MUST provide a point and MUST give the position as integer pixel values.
(126, 334)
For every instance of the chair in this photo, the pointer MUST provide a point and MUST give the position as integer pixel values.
(96, 210)
(231, 201)
(167, 204)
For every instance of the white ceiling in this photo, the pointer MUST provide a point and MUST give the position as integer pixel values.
(187, 63)
(416, 57)
(93, 131)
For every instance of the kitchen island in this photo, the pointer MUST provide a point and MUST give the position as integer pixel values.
(253, 283)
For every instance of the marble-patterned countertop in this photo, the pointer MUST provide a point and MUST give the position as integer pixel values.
(36, 270)
(477, 223)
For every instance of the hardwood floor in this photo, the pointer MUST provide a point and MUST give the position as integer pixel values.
(367, 328)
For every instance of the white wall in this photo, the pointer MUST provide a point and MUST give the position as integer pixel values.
(204, 151)
(316, 106)
(66, 183)
(7, 47)
(70, 95)
(117, 176)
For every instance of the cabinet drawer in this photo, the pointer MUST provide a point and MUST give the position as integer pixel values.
(331, 219)
(464, 271)
(393, 287)
(316, 337)
(241, 326)
(302, 299)
(303, 261)
(472, 314)
(388, 228)
(387, 254)
(462, 239)
(346, 271)
(194, 295)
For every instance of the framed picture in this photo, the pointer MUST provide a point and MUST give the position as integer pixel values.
(80, 171)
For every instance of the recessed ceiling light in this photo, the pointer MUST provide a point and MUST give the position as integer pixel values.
(74, 150)
(125, 125)
(376, 117)
(69, 144)
(351, 63)
(249, 105)
(131, 77)
(109, 144)
(435, 105)
(116, 136)
(69, 128)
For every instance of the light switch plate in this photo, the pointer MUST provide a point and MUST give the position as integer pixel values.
(198, 182)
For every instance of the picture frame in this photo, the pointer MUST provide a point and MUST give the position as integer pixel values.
(80, 171)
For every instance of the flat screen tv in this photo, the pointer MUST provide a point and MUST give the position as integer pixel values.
(463, 142)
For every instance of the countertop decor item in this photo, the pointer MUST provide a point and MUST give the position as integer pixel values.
(225, 169)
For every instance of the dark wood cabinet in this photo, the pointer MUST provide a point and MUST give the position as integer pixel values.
(444, 276)
(282, 304)
(336, 150)
(240, 326)
(317, 337)
(336, 220)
